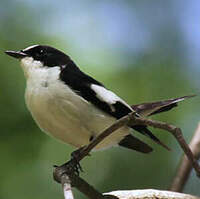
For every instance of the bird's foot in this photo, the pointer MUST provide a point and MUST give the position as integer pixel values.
(76, 157)
(71, 167)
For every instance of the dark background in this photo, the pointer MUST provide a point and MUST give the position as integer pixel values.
(142, 50)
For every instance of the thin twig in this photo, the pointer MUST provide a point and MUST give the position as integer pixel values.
(177, 133)
(67, 189)
(64, 177)
(130, 119)
(111, 129)
(185, 166)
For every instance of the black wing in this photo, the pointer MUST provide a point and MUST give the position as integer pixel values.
(95, 92)
(81, 83)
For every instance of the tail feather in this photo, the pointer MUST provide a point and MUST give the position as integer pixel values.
(151, 108)
(134, 143)
(145, 131)
(147, 109)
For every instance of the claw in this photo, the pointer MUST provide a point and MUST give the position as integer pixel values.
(75, 159)
(72, 166)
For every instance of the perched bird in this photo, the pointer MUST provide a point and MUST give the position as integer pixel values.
(74, 107)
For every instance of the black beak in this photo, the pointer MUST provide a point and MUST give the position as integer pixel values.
(16, 54)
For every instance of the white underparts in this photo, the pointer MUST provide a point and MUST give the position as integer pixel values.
(63, 114)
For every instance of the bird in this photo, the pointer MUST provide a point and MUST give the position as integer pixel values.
(75, 108)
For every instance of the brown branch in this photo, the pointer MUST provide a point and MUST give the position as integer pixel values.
(177, 133)
(111, 129)
(75, 181)
(185, 166)
(130, 119)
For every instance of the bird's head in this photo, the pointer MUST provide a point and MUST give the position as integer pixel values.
(39, 56)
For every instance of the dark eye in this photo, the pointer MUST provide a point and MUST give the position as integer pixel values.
(40, 53)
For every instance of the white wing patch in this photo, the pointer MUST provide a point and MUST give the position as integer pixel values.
(107, 96)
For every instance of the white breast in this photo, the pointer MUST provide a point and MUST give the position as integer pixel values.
(63, 114)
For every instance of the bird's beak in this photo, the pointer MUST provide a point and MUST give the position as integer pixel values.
(16, 54)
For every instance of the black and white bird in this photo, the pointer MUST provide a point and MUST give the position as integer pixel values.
(74, 107)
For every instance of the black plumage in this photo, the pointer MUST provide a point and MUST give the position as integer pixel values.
(81, 83)
(134, 143)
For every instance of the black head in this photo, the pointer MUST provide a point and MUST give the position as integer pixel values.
(49, 56)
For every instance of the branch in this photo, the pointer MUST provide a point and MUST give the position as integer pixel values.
(68, 179)
(185, 167)
(177, 133)
(108, 131)
(129, 120)
(150, 194)
(67, 189)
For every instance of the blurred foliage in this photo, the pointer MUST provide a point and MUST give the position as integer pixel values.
(155, 73)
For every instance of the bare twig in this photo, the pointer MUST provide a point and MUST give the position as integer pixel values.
(111, 129)
(130, 119)
(185, 166)
(67, 189)
(177, 133)
(68, 177)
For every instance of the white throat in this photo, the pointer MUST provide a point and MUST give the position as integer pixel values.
(29, 65)
(37, 74)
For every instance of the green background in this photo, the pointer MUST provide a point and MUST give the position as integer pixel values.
(142, 50)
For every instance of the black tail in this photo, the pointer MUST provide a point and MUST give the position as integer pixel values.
(145, 131)
(134, 143)
(147, 109)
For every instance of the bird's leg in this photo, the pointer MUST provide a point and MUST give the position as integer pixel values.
(75, 158)
(72, 166)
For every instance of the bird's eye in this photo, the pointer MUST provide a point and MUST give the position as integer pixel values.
(40, 53)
